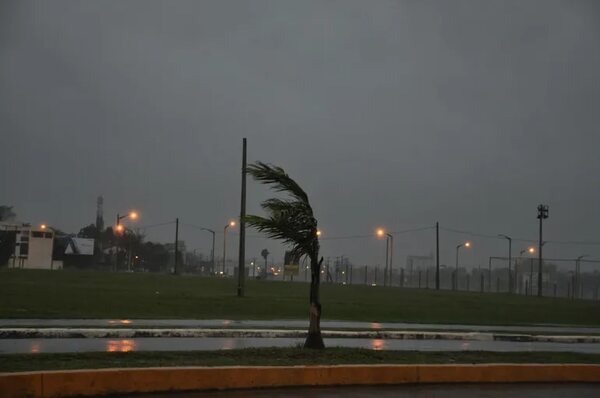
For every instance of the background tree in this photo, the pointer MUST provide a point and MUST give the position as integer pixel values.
(265, 254)
(89, 232)
(292, 221)
(7, 213)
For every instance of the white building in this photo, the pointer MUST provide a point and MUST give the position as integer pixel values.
(33, 246)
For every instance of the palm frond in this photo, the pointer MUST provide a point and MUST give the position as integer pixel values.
(290, 220)
(278, 178)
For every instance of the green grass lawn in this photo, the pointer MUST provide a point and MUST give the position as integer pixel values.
(83, 294)
(275, 357)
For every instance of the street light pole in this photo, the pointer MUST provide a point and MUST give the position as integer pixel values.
(530, 250)
(577, 284)
(176, 245)
(133, 215)
(542, 214)
(387, 251)
(212, 251)
(391, 238)
(455, 279)
(230, 224)
(510, 289)
(466, 244)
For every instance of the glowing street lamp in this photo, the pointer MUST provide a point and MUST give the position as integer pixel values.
(120, 229)
(132, 214)
(229, 224)
(318, 232)
(529, 250)
(467, 245)
(389, 251)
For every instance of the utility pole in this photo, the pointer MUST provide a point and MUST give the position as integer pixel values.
(176, 244)
(509, 261)
(387, 253)
(242, 253)
(490, 275)
(437, 256)
(577, 285)
(542, 215)
(391, 256)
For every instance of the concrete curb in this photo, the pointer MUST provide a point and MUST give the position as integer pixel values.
(131, 333)
(55, 384)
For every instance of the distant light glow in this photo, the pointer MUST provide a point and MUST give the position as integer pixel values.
(43, 226)
(376, 325)
(232, 223)
(467, 244)
(380, 232)
(120, 345)
(133, 215)
(377, 344)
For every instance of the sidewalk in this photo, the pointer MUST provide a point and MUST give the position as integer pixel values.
(133, 333)
(173, 328)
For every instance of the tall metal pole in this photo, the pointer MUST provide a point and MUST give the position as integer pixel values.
(176, 244)
(540, 263)
(542, 214)
(391, 238)
(242, 252)
(490, 275)
(531, 276)
(577, 279)
(224, 247)
(577, 290)
(509, 261)
(455, 282)
(117, 241)
(437, 256)
(387, 251)
(212, 250)
(510, 277)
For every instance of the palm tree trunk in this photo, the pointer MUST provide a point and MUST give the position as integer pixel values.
(314, 339)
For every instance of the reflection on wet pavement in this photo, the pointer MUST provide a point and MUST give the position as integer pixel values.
(282, 323)
(120, 345)
(377, 344)
(8, 346)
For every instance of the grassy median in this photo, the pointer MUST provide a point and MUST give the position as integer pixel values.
(275, 357)
(86, 294)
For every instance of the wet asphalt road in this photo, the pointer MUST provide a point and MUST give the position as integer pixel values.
(419, 391)
(281, 323)
(14, 346)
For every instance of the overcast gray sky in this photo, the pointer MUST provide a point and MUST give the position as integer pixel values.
(389, 113)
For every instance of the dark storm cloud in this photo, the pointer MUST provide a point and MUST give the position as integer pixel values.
(395, 113)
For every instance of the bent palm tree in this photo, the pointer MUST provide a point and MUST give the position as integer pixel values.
(292, 221)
